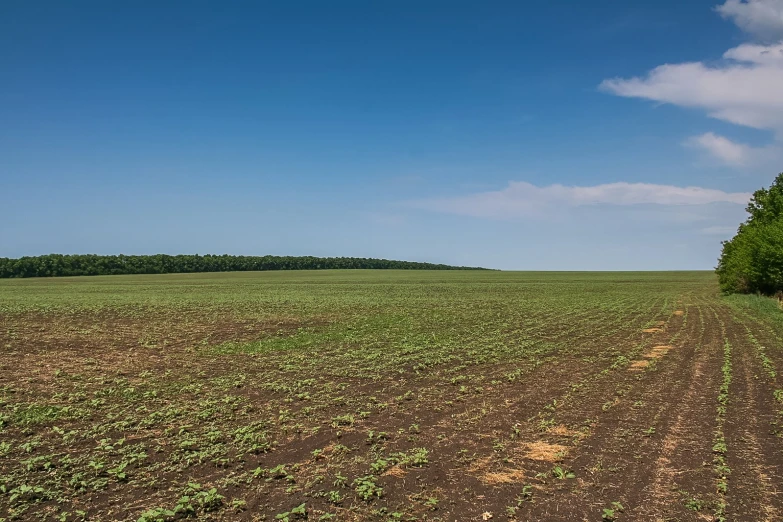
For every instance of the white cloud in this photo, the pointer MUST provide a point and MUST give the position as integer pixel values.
(522, 199)
(754, 53)
(745, 88)
(745, 91)
(730, 152)
(761, 18)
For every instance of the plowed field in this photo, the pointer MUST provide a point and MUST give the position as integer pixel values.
(389, 395)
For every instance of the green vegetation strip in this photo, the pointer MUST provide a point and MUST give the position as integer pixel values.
(719, 448)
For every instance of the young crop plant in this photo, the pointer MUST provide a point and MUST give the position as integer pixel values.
(197, 500)
(25, 493)
(526, 495)
(417, 458)
(238, 505)
(375, 437)
(157, 515)
(380, 465)
(279, 472)
(343, 420)
(340, 481)
(297, 513)
(335, 497)
(694, 504)
(367, 489)
(612, 513)
(561, 473)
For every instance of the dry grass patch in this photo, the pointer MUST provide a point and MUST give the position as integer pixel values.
(658, 351)
(503, 477)
(479, 465)
(395, 471)
(545, 451)
(563, 431)
(479, 468)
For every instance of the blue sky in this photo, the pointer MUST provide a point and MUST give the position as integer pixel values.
(515, 135)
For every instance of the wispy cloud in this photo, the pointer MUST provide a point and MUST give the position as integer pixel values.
(520, 198)
(719, 231)
(730, 152)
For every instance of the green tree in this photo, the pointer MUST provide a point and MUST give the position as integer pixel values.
(91, 264)
(752, 261)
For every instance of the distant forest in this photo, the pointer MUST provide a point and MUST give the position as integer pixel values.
(56, 265)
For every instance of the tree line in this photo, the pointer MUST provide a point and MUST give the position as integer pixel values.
(55, 265)
(752, 261)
